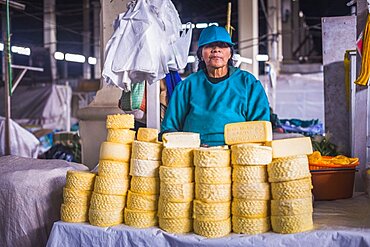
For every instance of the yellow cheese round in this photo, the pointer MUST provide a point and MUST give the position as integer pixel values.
(250, 208)
(124, 136)
(177, 192)
(291, 206)
(105, 218)
(212, 229)
(147, 135)
(169, 209)
(120, 121)
(145, 185)
(146, 150)
(213, 175)
(211, 157)
(251, 191)
(249, 174)
(288, 168)
(213, 192)
(211, 210)
(292, 189)
(74, 213)
(72, 196)
(107, 202)
(144, 168)
(292, 224)
(176, 175)
(176, 225)
(250, 225)
(115, 151)
(177, 157)
(139, 218)
(250, 154)
(111, 186)
(113, 168)
(141, 201)
(80, 180)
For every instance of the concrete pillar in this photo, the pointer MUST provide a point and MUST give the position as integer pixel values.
(93, 117)
(274, 29)
(96, 18)
(248, 30)
(50, 34)
(86, 38)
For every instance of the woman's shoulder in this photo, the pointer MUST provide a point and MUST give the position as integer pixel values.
(192, 78)
(243, 74)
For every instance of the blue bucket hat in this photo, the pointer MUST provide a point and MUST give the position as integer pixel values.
(214, 34)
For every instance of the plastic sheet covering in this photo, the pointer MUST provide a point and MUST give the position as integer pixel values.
(337, 223)
(22, 142)
(30, 198)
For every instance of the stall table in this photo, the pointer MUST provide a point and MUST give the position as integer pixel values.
(337, 223)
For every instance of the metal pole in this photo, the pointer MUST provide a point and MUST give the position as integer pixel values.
(86, 38)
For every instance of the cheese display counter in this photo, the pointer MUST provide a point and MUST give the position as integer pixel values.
(336, 223)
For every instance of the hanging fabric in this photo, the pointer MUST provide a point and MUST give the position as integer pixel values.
(172, 79)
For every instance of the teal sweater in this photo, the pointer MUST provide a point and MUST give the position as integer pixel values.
(197, 105)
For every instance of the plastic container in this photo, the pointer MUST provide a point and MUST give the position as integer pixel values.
(332, 184)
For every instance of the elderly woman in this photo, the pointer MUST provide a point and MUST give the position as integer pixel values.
(217, 94)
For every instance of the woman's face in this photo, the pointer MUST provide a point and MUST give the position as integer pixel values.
(216, 55)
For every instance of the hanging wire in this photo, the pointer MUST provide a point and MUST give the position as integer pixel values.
(8, 56)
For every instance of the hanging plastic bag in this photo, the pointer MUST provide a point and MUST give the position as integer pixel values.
(180, 49)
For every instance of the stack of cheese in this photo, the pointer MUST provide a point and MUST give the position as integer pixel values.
(76, 196)
(111, 184)
(211, 211)
(177, 187)
(142, 198)
(291, 207)
(251, 190)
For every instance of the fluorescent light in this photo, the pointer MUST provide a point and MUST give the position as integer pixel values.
(1, 46)
(59, 55)
(187, 26)
(262, 57)
(191, 59)
(75, 58)
(91, 60)
(201, 25)
(213, 24)
(21, 50)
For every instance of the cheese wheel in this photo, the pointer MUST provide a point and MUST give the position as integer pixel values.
(113, 168)
(107, 202)
(105, 218)
(115, 151)
(213, 192)
(140, 218)
(245, 132)
(145, 185)
(177, 157)
(72, 196)
(211, 210)
(251, 191)
(181, 140)
(176, 225)
(288, 168)
(300, 188)
(74, 213)
(144, 202)
(177, 192)
(291, 206)
(146, 150)
(250, 225)
(144, 168)
(80, 180)
(250, 154)
(249, 174)
(111, 186)
(211, 157)
(124, 136)
(250, 208)
(120, 121)
(176, 175)
(169, 209)
(292, 223)
(147, 135)
(213, 175)
(291, 147)
(212, 229)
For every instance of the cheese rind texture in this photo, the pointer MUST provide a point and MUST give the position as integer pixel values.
(177, 157)
(147, 135)
(291, 206)
(250, 225)
(113, 168)
(115, 151)
(120, 121)
(213, 175)
(145, 185)
(249, 174)
(291, 147)
(146, 150)
(250, 208)
(213, 192)
(105, 218)
(246, 132)
(249, 154)
(141, 201)
(124, 136)
(140, 218)
(169, 209)
(181, 140)
(212, 229)
(294, 189)
(211, 157)
(288, 168)
(144, 168)
(251, 191)
(176, 225)
(292, 224)
(107, 202)
(111, 186)
(80, 180)
(211, 211)
(177, 192)
(74, 213)
(176, 175)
